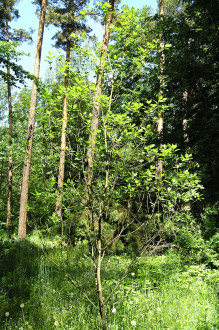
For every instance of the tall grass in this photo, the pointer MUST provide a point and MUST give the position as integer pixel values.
(160, 292)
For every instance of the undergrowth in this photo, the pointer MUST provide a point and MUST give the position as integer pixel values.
(159, 292)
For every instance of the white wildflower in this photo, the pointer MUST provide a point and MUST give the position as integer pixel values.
(133, 274)
(133, 323)
(113, 310)
(22, 305)
(7, 314)
(56, 323)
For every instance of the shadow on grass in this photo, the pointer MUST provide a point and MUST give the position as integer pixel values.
(27, 276)
(18, 270)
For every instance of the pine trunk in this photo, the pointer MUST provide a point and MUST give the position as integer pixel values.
(97, 94)
(10, 164)
(27, 158)
(63, 137)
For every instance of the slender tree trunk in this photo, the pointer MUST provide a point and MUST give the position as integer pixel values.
(27, 158)
(90, 157)
(187, 205)
(10, 164)
(185, 121)
(99, 284)
(63, 137)
(97, 94)
(1, 176)
(160, 123)
(99, 240)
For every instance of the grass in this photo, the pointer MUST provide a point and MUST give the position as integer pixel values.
(160, 292)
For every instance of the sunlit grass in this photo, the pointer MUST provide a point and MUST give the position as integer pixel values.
(159, 292)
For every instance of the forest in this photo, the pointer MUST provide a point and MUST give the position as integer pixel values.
(109, 167)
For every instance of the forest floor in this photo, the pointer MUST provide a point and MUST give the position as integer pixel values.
(159, 292)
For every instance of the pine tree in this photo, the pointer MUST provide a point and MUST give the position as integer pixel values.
(27, 159)
(68, 18)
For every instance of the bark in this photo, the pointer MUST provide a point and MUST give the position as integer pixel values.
(186, 206)
(160, 123)
(185, 121)
(27, 158)
(99, 284)
(63, 138)
(10, 163)
(99, 245)
(97, 94)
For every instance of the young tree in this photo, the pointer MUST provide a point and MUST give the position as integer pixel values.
(91, 150)
(30, 130)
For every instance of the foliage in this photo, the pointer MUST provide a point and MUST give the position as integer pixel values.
(9, 56)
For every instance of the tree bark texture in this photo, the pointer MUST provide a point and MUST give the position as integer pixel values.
(10, 163)
(160, 123)
(96, 100)
(31, 121)
(63, 137)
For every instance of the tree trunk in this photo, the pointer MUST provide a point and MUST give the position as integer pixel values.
(90, 157)
(97, 94)
(187, 205)
(160, 123)
(99, 284)
(27, 158)
(63, 137)
(185, 122)
(10, 164)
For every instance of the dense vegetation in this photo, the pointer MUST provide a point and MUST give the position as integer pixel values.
(118, 221)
